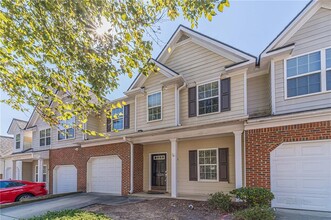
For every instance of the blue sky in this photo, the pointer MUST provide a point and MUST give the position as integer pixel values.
(247, 25)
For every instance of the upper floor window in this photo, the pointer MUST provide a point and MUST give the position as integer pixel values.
(208, 98)
(154, 106)
(328, 69)
(304, 74)
(118, 119)
(66, 130)
(18, 141)
(45, 137)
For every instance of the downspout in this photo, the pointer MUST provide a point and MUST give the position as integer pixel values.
(131, 163)
(178, 104)
(135, 113)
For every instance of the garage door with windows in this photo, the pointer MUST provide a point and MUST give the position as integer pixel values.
(301, 175)
(64, 179)
(104, 174)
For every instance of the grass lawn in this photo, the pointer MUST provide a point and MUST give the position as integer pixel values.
(71, 215)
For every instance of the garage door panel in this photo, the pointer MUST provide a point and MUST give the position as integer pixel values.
(302, 179)
(65, 179)
(105, 174)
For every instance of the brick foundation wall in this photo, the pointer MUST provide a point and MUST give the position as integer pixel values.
(78, 157)
(260, 142)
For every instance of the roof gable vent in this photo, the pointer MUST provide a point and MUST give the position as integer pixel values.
(182, 38)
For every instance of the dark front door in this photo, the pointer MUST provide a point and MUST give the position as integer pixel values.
(159, 172)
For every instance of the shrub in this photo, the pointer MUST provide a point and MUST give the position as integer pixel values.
(254, 196)
(220, 201)
(255, 213)
(71, 215)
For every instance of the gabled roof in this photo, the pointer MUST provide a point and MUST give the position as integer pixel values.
(306, 13)
(209, 43)
(20, 124)
(140, 79)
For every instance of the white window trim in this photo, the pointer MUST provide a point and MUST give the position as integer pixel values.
(326, 69)
(50, 136)
(65, 139)
(322, 71)
(219, 97)
(36, 173)
(149, 94)
(112, 120)
(217, 166)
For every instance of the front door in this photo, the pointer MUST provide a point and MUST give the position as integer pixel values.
(159, 172)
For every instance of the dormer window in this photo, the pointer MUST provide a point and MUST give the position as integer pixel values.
(18, 141)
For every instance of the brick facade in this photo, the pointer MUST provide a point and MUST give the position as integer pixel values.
(78, 157)
(260, 142)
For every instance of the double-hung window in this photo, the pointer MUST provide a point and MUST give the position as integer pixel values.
(154, 104)
(45, 137)
(304, 74)
(208, 164)
(18, 141)
(328, 68)
(44, 173)
(66, 130)
(118, 119)
(208, 98)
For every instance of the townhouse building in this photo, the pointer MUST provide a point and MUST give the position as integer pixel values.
(213, 118)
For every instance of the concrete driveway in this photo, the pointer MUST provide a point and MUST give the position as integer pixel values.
(291, 214)
(75, 201)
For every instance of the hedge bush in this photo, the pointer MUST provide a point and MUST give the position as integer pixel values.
(70, 215)
(254, 196)
(255, 213)
(220, 201)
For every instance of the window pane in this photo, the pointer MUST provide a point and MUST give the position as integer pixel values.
(118, 124)
(154, 100)
(18, 137)
(42, 133)
(154, 113)
(42, 142)
(208, 106)
(328, 58)
(315, 61)
(61, 135)
(314, 83)
(328, 79)
(48, 132)
(70, 133)
(44, 169)
(291, 67)
(48, 141)
(304, 85)
(18, 145)
(302, 64)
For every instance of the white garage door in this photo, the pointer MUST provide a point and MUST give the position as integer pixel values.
(105, 174)
(301, 175)
(65, 179)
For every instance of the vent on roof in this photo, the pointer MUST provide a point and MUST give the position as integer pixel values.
(182, 38)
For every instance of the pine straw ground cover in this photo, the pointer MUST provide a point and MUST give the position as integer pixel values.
(175, 209)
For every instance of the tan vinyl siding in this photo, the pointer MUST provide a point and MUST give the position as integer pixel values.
(154, 149)
(258, 95)
(196, 63)
(93, 125)
(314, 34)
(185, 186)
(314, 101)
(152, 85)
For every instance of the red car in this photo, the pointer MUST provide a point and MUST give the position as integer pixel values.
(16, 190)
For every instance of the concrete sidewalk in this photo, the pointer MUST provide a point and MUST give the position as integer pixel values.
(292, 214)
(75, 201)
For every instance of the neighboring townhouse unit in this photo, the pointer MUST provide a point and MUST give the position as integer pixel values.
(181, 131)
(6, 148)
(290, 151)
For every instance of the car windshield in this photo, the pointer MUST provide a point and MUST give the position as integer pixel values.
(9, 184)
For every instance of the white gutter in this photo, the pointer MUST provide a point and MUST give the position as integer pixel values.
(177, 112)
(131, 163)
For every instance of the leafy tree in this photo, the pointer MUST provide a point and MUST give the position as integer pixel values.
(51, 48)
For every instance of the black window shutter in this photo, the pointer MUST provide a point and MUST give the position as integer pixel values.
(126, 116)
(223, 159)
(108, 124)
(192, 102)
(225, 95)
(193, 166)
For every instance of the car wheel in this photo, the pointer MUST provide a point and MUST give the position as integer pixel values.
(23, 197)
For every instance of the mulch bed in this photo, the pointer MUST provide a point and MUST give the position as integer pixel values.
(175, 209)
